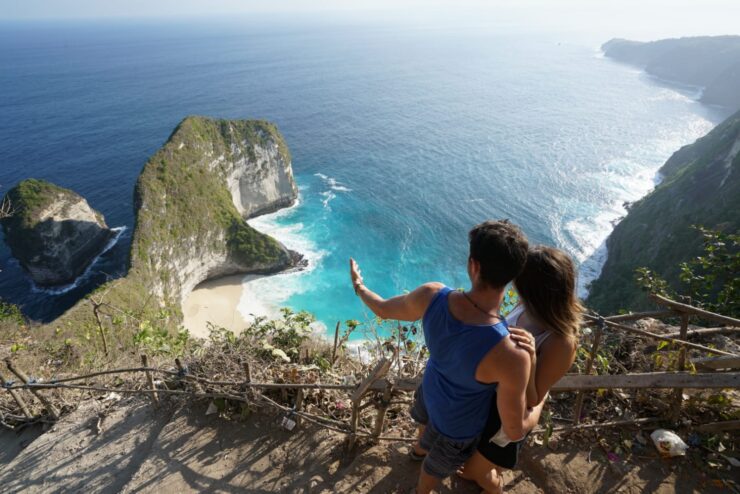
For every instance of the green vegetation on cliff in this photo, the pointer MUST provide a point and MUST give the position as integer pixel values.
(701, 186)
(29, 197)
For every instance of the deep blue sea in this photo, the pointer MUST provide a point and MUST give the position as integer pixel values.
(402, 138)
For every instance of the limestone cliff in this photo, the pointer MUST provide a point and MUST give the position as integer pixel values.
(710, 62)
(192, 199)
(53, 232)
(701, 186)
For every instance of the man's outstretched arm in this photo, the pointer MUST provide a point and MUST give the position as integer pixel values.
(407, 307)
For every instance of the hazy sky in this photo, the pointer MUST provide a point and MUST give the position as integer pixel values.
(635, 18)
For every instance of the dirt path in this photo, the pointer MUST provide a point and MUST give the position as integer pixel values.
(183, 450)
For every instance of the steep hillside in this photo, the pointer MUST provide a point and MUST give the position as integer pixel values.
(701, 185)
(710, 62)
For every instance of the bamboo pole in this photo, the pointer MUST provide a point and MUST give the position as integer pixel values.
(704, 314)
(383, 410)
(17, 397)
(680, 366)
(298, 405)
(50, 408)
(578, 408)
(336, 342)
(706, 332)
(661, 337)
(379, 371)
(150, 380)
(635, 316)
(101, 329)
(729, 425)
(247, 373)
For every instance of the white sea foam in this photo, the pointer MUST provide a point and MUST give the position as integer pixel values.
(61, 289)
(334, 186)
(265, 295)
(327, 197)
(627, 179)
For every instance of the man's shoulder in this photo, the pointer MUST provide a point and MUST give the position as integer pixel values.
(512, 362)
(504, 360)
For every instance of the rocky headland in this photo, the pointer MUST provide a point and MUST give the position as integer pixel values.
(701, 186)
(708, 62)
(193, 197)
(53, 232)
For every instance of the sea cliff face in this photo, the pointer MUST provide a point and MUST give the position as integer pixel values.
(701, 186)
(710, 62)
(192, 199)
(53, 232)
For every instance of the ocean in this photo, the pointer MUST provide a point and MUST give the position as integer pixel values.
(403, 138)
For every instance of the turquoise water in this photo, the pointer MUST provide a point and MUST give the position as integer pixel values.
(402, 139)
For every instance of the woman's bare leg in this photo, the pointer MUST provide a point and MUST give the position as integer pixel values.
(484, 473)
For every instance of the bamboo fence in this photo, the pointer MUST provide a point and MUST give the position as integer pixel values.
(378, 390)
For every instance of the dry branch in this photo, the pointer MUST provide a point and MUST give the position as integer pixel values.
(661, 337)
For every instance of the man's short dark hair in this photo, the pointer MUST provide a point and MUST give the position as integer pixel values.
(501, 249)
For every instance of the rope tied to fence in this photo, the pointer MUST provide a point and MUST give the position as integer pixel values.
(601, 323)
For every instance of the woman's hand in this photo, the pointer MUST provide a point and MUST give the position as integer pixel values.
(355, 274)
(524, 340)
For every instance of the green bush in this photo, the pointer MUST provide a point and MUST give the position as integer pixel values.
(712, 280)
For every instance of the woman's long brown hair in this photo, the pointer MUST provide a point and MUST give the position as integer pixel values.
(548, 288)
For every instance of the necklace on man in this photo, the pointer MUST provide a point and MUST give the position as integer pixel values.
(478, 307)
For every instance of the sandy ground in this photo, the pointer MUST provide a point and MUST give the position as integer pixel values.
(214, 301)
(133, 447)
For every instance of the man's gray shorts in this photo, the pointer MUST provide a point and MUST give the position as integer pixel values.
(444, 455)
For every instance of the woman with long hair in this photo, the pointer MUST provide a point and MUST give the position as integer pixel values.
(545, 323)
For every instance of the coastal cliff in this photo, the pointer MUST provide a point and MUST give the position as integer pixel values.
(53, 232)
(709, 62)
(701, 186)
(192, 199)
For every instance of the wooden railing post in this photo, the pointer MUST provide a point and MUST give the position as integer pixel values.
(378, 372)
(150, 380)
(680, 366)
(589, 366)
(17, 397)
(336, 342)
(382, 410)
(50, 408)
(298, 405)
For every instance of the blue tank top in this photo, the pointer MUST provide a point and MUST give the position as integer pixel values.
(456, 402)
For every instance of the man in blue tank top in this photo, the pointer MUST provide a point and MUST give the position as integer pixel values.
(470, 353)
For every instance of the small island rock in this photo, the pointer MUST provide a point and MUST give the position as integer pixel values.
(53, 232)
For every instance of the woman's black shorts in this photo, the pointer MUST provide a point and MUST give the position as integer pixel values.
(505, 457)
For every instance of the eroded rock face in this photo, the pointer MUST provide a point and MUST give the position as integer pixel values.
(261, 182)
(53, 232)
(192, 199)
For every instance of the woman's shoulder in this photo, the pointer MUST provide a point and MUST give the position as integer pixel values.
(559, 343)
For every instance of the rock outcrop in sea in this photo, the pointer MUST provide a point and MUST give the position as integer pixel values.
(53, 232)
(192, 200)
(709, 62)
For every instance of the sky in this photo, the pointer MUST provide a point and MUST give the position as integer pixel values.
(639, 19)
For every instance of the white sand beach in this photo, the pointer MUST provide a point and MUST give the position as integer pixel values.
(214, 301)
